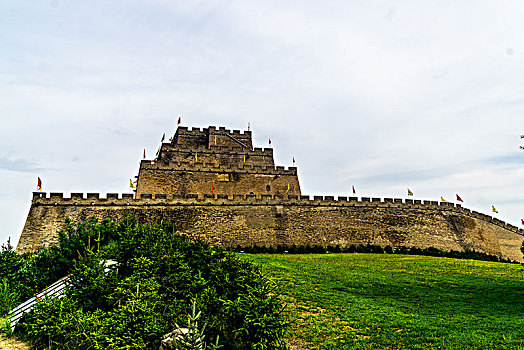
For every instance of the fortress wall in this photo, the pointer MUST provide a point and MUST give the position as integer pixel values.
(205, 137)
(225, 137)
(223, 155)
(272, 220)
(190, 137)
(200, 180)
(213, 167)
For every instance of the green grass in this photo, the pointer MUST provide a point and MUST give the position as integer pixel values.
(379, 301)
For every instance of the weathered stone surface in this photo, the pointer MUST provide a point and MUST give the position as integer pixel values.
(273, 220)
(218, 161)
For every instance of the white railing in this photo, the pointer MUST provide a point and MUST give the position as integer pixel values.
(56, 290)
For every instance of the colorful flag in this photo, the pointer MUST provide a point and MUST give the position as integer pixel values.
(354, 192)
(443, 200)
(459, 199)
(409, 192)
(213, 188)
(144, 153)
(39, 185)
(270, 141)
(493, 209)
(179, 120)
(131, 184)
(163, 137)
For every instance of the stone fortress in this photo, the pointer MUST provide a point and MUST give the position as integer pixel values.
(213, 185)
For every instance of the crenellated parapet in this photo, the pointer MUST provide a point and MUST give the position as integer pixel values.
(126, 199)
(214, 150)
(211, 129)
(217, 168)
(172, 155)
(212, 136)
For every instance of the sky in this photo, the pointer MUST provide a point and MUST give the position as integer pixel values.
(380, 95)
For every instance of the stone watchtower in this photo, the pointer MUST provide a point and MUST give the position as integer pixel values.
(213, 161)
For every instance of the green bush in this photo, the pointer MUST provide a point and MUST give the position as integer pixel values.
(158, 276)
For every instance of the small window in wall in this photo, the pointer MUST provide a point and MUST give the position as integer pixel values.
(268, 188)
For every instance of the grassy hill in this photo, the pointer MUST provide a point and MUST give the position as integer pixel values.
(380, 301)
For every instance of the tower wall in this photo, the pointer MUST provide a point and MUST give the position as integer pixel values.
(215, 161)
(226, 181)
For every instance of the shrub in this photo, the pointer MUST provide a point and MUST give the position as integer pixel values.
(159, 275)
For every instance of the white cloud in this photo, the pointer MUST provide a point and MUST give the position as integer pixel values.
(381, 95)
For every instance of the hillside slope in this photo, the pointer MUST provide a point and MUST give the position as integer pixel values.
(370, 301)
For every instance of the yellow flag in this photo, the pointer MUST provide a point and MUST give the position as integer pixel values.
(158, 151)
(196, 157)
(409, 192)
(287, 188)
(131, 184)
(493, 209)
(244, 159)
(215, 140)
(443, 200)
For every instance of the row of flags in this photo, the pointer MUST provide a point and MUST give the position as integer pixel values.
(459, 199)
(132, 184)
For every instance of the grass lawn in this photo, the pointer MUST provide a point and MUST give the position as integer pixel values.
(382, 301)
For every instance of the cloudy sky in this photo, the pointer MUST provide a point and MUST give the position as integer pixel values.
(382, 95)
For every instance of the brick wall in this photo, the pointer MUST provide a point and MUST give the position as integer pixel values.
(272, 220)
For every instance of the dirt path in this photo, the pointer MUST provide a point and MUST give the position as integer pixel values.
(12, 344)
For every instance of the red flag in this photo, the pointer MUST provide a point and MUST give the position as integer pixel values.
(459, 199)
(269, 141)
(154, 160)
(213, 188)
(136, 181)
(522, 221)
(179, 120)
(171, 138)
(163, 137)
(144, 153)
(354, 192)
(39, 185)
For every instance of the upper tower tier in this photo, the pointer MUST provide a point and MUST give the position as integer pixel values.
(215, 161)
